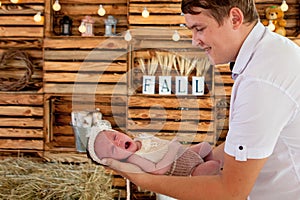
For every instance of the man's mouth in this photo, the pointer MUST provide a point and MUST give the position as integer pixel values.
(207, 49)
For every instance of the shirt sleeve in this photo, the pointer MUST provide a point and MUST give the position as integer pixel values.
(259, 112)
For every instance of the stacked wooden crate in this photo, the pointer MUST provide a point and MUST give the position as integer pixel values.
(77, 10)
(21, 121)
(21, 113)
(189, 117)
(85, 73)
(82, 74)
(164, 14)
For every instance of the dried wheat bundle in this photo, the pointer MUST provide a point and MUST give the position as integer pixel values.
(149, 67)
(27, 180)
(202, 66)
(186, 66)
(166, 61)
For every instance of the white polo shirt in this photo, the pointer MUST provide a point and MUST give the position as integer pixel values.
(265, 113)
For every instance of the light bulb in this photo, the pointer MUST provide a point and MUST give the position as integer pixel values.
(271, 26)
(284, 7)
(176, 36)
(82, 28)
(14, 1)
(0, 3)
(145, 13)
(101, 11)
(56, 6)
(127, 36)
(37, 17)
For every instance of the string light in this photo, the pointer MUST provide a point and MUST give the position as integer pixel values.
(101, 11)
(14, 1)
(127, 36)
(82, 28)
(37, 17)
(176, 36)
(145, 13)
(56, 6)
(271, 26)
(284, 7)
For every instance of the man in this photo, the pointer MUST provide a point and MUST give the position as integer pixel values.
(261, 154)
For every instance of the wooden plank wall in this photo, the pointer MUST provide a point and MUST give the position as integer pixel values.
(22, 113)
(71, 65)
(78, 9)
(61, 136)
(163, 13)
(78, 70)
(292, 15)
(191, 118)
(58, 60)
(74, 72)
(223, 85)
(18, 31)
(21, 122)
(16, 20)
(167, 14)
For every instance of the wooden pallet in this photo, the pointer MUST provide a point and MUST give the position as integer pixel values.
(85, 65)
(78, 9)
(60, 134)
(21, 122)
(16, 20)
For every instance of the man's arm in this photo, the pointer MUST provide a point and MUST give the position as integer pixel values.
(235, 182)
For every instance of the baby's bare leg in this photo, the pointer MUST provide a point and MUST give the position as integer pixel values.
(211, 167)
(204, 150)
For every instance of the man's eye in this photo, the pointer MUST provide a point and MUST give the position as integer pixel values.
(199, 29)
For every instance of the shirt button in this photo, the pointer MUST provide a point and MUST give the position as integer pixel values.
(241, 148)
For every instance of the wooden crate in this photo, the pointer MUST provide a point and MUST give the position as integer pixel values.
(158, 41)
(165, 13)
(16, 20)
(190, 119)
(13, 70)
(21, 122)
(78, 9)
(60, 135)
(85, 65)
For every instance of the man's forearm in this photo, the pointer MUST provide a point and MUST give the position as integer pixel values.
(201, 187)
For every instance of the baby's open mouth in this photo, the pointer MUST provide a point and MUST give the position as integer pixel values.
(127, 145)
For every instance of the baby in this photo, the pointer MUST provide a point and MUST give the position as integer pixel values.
(152, 154)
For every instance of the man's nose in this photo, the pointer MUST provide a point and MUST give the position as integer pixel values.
(194, 42)
(197, 42)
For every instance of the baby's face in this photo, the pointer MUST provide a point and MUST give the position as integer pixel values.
(114, 144)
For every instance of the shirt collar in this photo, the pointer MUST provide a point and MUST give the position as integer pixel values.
(247, 50)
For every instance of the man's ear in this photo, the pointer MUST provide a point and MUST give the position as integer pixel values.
(236, 16)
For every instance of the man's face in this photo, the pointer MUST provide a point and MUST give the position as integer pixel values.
(214, 39)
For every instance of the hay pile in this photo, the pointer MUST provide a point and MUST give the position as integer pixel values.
(24, 179)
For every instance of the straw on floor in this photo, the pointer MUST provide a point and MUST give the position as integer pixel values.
(30, 180)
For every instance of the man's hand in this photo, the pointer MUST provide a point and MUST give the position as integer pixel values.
(123, 168)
